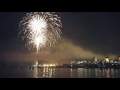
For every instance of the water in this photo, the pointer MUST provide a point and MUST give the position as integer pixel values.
(59, 73)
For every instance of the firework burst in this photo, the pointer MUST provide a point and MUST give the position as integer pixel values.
(40, 30)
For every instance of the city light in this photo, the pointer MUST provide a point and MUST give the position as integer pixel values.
(46, 65)
(49, 65)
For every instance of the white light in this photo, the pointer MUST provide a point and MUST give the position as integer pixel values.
(40, 30)
(34, 65)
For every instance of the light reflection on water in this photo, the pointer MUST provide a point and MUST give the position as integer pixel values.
(42, 72)
(59, 73)
(107, 73)
(74, 73)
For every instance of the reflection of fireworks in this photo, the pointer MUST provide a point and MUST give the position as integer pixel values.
(40, 30)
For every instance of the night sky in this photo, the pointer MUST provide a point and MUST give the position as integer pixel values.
(96, 32)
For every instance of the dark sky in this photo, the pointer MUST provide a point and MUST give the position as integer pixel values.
(95, 31)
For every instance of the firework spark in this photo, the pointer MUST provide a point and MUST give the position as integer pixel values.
(40, 30)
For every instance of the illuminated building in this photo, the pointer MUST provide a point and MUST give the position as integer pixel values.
(119, 58)
(107, 59)
(37, 64)
(49, 65)
(95, 59)
(111, 61)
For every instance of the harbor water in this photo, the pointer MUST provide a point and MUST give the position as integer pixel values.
(59, 73)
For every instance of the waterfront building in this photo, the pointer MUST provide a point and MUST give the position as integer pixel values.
(37, 64)
(119, 58)
(95, 59)
(107, 60)
(111, 61)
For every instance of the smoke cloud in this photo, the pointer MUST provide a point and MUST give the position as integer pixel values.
(64, 51)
